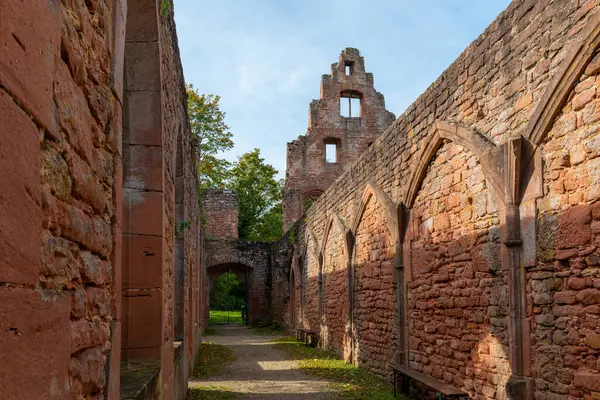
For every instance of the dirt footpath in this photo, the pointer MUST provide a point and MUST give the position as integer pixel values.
(261, 371)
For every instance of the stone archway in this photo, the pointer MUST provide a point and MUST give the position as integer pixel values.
(243, 258)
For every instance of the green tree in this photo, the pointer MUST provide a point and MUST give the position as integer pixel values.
(227, 293)
(259, 197)
(212, 137)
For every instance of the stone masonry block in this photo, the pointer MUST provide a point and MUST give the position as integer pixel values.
(142, 261)
(574, 227)
(142, 66)
(142, 212)
(35, 338)
(144, 318)
(28, 54)
(143, 167)
(142, 118)
(20, 204)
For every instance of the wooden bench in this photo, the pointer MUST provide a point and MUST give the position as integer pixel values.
(404, 374)
(307, 336)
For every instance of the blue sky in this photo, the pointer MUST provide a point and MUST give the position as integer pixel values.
(265, 58)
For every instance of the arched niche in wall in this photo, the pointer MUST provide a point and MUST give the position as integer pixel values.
(293, 297)
(454, 242)
(372, 281)
(312, 259)
(334, 297)
(559, 200)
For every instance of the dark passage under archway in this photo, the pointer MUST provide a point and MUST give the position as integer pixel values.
(229, 299)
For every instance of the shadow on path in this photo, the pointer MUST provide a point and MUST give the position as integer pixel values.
(260, 371)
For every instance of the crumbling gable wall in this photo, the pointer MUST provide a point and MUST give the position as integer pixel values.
(307, 173)
(467, 233)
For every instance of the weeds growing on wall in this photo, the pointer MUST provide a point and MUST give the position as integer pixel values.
(165, 6)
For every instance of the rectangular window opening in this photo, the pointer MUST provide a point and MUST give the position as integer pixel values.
(330, 152)
(349, 107)
(348, 67)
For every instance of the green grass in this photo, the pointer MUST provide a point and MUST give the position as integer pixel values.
(212, 359)
(218, 316)
(351, 381)
(211, 393)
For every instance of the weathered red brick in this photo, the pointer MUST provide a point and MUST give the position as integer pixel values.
(574, 227)
(589, 296)
(588, 380)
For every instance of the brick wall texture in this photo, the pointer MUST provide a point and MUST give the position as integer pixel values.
(220, 209)
(465, 242)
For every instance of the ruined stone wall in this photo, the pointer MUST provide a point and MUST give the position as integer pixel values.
(180, 168)
(564, 289)
(220, 210)
(60, 159)
(486, 271)
(457, 296)
(86, 129)
(335, 301)
(373, 287)
(308, 173)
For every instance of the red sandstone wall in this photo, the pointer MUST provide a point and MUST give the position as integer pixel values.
(496, 245)
(335, 293)
(374, 318)
(564, 286)
(61, 124)
(457, 296)
(220, 210)
(60, 156)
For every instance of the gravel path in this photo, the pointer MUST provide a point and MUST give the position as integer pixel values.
(261, 371)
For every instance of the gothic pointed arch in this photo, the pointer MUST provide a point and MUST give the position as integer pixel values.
(315, 249)
(486, 151)
(579, 55)
(389, 207)
(335, 218)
